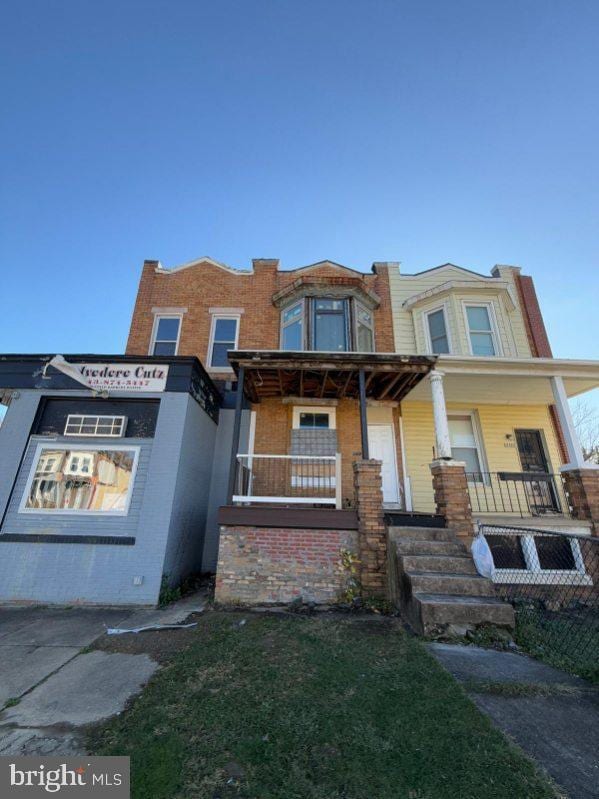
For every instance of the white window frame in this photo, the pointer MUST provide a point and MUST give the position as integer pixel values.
(330, 410)
(211, 342)
(282, 325)
(42, 445)
(427, 332)
(97, 417)
(357, 306)
(490, 306)
(158, 315)
(534, 571)
(478, 441)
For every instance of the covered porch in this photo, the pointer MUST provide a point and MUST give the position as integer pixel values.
(312, 416)
(509, 422)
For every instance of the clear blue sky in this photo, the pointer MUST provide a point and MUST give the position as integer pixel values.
(422, 132)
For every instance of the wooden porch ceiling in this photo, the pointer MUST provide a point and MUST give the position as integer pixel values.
(329, 375)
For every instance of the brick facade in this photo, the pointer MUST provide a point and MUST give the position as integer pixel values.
(372, 534)
(204, 286)
(452, 498)
(278, 565)
(582, 486)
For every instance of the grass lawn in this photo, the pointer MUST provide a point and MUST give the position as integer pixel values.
(285, 707)
(563, 640)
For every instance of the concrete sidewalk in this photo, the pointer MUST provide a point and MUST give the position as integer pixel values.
(49, 687)
(552, 715)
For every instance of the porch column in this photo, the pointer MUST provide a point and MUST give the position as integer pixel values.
(236, 433)
(575, 456)
(442, 439)
(363, 418)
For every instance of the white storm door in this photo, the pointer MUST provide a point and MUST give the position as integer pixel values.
(381, 447)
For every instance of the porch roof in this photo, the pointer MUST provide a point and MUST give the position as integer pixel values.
(510, 381)
(328, 375)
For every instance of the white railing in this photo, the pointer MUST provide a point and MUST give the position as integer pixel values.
(288, 479)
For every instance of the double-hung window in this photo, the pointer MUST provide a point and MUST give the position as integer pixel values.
(483, 340)
(464, 445)
(223, 337)
(292, 327)
(364, 329)
(437, 332)
(165, 336)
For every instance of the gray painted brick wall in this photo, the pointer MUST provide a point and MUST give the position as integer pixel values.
(103, 574)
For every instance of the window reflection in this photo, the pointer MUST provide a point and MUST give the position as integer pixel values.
(83, 480)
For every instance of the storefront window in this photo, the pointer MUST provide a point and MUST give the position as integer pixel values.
(82, 480)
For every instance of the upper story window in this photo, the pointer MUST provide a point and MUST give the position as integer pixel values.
(483, 338)
(437, 332)
(292, 327)
(327, 324)
(330, 325)
(165, 336)
(223, 337)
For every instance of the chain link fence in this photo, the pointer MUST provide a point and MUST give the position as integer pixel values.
(551, 578)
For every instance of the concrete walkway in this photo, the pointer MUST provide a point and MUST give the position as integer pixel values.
(552, 715)
(49, 687)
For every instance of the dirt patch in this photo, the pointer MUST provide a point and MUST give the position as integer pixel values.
(161, 645)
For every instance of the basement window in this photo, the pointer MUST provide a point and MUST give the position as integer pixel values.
(537, 558)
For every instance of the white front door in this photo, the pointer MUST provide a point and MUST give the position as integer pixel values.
(381, 445)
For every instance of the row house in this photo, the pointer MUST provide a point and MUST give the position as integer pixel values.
(354, 406)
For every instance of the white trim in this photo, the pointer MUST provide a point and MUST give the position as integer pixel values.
(235, 311)
(357, 306)
(287, 500)
(160, 315)
(427, 333)
(328, 409)
(52, 445)
(494, 332)
(203, 260)
(535, 574)
(215, 317)
(302, 319)
(404, 467)
(97, 417)
(391, 427)
(483, 284)
(158, 310)
(476, 432)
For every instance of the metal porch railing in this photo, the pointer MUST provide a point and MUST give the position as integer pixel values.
(522, 494)
(552, 580)
(288, 479)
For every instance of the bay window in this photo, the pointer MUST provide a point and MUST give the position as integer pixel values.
(292, 327)
(327, 324)
(437, 332)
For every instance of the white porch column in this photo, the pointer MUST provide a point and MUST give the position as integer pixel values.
(440, 414)
(575, 456)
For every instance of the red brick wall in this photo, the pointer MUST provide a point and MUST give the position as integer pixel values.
(277, 565)
(533, 318)
(203, 286)
(538, 340)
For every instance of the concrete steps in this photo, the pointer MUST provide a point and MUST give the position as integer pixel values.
(440, 591)
(453, 584)
(423, 547)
